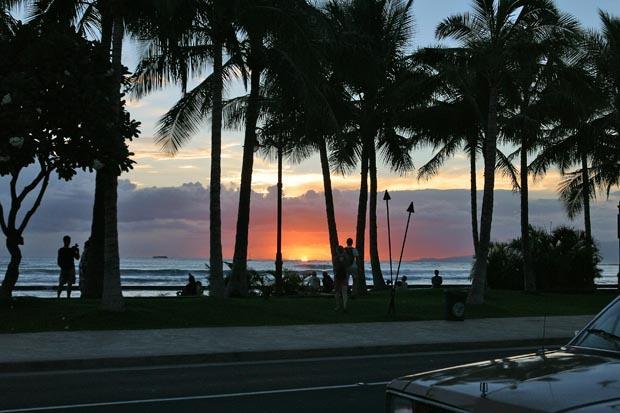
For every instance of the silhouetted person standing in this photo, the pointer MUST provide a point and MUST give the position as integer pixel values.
(437, 280)
(352, 258)
(82, 266)
(66, 261)
(341, 278)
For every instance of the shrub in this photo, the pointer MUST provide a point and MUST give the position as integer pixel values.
(561, 261)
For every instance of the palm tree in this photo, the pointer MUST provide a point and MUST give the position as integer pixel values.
(283, 133)
(534, 67)
(372, 34)
(112, 294)
(263, 22)
(471, 143)
(295, 111)
(175, 54)
(448, 119)
(490, 35)
(583, 135)
(604, 49)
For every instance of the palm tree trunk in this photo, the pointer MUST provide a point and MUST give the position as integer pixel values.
(238, 283)
(278, 274)
(476, 294)
(93, 273)
(473, 195)
(585, 177)
(329, 201)
(529, 279)
(216, 272)
(375, 262)
(359, 283)
(112, 295)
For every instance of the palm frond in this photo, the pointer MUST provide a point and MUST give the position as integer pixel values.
(508, 170)
(234, 111)
(182, 121)
(433, 166)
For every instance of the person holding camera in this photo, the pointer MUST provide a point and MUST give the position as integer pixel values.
(66, 261)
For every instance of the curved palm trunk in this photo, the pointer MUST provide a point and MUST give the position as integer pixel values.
(375, 262)
(238, 283)
(112, 295)
(216, 271)
(92, 285)
(329, 201)
(278, 274)
(473, 195)
(585, 177)
(476, 294)
(359, 283)
(529, 279)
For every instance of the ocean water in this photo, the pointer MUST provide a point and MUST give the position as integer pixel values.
(173, 271)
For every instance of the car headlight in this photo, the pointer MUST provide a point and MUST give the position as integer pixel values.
(400, 405)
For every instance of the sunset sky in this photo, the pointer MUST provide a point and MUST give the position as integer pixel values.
(163, 203)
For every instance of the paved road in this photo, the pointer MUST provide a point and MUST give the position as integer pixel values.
(341, 384)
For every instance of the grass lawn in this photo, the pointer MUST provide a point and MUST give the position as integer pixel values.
(37, 314)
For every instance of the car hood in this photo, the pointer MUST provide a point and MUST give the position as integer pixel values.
(555, 381)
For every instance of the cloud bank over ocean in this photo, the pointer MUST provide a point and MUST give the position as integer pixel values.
(174, 221)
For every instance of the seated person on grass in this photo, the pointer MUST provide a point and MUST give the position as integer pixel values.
(191, 288)
(314, 283)
(328, 283)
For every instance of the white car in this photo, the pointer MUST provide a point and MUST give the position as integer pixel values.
(581, 377)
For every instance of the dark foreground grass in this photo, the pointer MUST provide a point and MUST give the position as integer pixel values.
(36, 314)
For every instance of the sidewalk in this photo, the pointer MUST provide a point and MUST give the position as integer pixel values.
(105, 348)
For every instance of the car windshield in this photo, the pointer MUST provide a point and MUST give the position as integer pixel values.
(604, 332)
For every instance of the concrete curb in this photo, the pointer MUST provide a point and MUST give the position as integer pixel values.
(120, 362)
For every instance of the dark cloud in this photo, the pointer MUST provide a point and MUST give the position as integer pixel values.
(175, 220)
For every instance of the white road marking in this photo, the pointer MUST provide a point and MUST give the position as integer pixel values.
(266, 362)
(205, 397)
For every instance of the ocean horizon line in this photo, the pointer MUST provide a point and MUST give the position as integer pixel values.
(206, 259)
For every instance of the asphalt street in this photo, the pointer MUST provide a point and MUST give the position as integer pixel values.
(330, 384)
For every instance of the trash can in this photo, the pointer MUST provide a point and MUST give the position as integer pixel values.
(455, 304)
